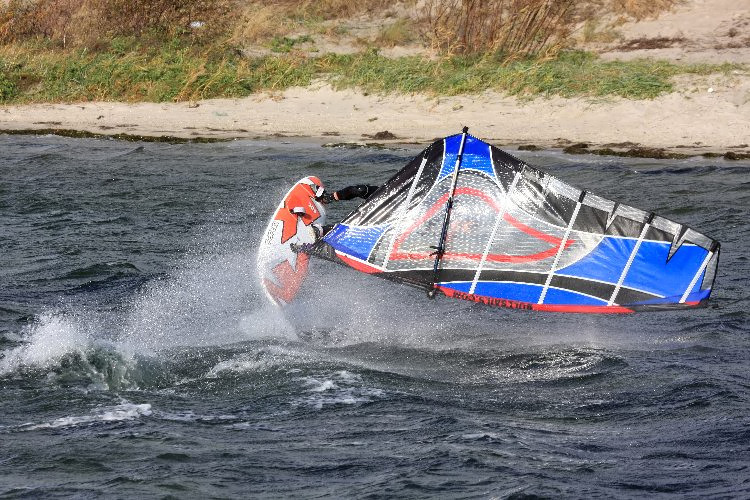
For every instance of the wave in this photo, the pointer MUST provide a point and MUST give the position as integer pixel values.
(47, 340)
(102, 269)
(118, 413)
(341, 387)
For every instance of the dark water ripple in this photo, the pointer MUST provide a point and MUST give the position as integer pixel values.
(139, 358)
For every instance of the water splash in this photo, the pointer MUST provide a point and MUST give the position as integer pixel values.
(52, 336)
(212, 300)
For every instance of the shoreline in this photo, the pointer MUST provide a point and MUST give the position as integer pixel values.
(664, 127)
(630, 150)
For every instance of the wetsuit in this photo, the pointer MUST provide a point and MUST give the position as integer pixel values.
(358, 191)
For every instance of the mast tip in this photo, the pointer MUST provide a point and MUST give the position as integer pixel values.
(465, 130)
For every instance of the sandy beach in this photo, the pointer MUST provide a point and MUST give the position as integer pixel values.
(712, 116)
(703, 115)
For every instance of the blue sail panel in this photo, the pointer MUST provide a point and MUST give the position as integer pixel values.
(353, 240)
(452, 145)
(651, 272)
(559, 296)
(476, 156)
(604, 263)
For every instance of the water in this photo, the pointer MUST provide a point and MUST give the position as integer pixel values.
(138, 356)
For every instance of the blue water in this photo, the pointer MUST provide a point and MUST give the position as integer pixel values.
(138, 356)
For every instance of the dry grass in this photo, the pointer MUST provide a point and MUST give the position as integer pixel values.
(592, 33)
(261, 22)
(512, 28)
(401, 32)
(86, 22)
(332, 9)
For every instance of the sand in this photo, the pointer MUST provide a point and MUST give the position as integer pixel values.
(695, 31)
(712, 116)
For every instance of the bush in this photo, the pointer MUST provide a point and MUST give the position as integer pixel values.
(23, 19)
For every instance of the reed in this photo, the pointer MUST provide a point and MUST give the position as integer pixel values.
(509, 28)
(332, 9)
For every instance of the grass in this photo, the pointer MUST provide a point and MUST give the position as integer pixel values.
(571, 74)
(127, 71)
(399, 32)
(286, 44)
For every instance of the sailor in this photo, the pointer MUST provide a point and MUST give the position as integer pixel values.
(350, 192)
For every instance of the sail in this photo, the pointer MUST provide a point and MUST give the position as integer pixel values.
(515, 236)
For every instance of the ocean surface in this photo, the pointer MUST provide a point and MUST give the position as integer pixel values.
(139, 358)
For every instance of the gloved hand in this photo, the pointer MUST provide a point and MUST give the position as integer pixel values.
(326, 197)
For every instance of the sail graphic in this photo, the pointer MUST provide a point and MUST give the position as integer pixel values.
(472, 222)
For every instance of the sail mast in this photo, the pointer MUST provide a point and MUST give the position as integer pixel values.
(440, 248)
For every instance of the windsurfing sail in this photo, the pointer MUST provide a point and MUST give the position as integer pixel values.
(471, 221)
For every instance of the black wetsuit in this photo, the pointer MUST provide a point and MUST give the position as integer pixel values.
(358, 191)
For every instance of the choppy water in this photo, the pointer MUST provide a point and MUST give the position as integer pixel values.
(138, 356)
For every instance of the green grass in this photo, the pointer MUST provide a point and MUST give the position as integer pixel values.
(8, 88)
(126, 71)
(571, 74)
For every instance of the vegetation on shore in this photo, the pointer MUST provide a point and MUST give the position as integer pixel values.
(159, 50)
(173, 72)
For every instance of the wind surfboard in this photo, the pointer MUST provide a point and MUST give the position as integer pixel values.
(282, 270)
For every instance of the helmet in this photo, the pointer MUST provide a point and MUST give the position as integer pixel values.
(316, 185)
